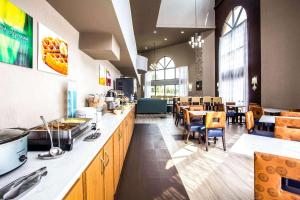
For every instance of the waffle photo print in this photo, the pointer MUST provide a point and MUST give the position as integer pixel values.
(52, 52)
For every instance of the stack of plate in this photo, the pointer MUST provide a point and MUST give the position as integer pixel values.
(89, 112)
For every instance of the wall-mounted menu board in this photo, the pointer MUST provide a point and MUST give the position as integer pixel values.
(16, 35)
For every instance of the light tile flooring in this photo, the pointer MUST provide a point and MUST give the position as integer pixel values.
(199, 169)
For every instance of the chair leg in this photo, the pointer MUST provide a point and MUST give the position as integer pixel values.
(206, 141)
(187, 137)
(224, 142)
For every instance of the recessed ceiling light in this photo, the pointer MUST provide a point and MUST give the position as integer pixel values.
(182, 32)
(155, 31)
(146, 47)
(166, 39)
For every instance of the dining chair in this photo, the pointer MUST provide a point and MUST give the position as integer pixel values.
(251, 126)
(184, 101)
(257, 113)
(179, 114)
(191, 127)
(207, 102)
(215, 123)
(287, 128)
(216, 101)
(196, 108)
(276, 177)
(195, 101)
(220, 108)
(230, 112)
(290, 114)
(295, 110)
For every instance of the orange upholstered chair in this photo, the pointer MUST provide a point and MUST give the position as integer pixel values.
(287, 128)
(276, 177)
(215, 123)
(290, 114)
(257, 112)
(184, 101)
(251, 126)
(195, 100)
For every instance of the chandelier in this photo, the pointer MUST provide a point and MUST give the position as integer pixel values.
(196, 41)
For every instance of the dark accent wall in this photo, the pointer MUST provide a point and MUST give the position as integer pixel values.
(252, 7)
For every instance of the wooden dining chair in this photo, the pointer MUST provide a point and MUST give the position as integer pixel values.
(251, 126)
(191, 127)
(179, 114)
(207, 102)
(295, 110)
(230, 112)
(184, 101)
(287, 128)
(195, 101)
(276, 177)
(215, 123)
(290, 114)
(196, 108)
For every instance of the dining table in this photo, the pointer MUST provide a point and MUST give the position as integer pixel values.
(273, 111)
(267, 119)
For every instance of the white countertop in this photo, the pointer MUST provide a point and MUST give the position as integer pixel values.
(248, 144)
(63, 172)
(273, 110)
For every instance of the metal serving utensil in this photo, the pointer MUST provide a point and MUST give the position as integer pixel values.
(22, 185)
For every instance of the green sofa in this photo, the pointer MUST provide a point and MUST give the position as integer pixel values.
(151, 106)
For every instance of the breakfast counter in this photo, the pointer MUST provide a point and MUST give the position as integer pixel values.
(65, 171)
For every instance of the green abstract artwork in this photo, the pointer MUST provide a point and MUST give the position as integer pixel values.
(16, 35)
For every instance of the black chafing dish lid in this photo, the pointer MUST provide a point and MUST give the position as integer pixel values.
(11, 134)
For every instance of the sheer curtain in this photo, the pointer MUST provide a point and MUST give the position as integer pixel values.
(233, 65)
(182, 74)
(147, 86)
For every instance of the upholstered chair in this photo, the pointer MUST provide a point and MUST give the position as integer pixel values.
(287, 128)
(215, 124)
(276, 177)
(196, 108)
(191, 127)
(251, 126)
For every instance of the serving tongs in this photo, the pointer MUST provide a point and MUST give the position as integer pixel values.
(22, 185)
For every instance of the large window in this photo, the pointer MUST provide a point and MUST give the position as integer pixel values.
(233, 57)
(164, 79)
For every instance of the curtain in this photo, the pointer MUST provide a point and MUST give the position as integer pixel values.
(233, 65)
(182, 74)
(147, 86)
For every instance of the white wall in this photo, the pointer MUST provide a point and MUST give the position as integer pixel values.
(280, 47)
(28, 93)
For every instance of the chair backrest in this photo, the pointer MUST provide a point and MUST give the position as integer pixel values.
(196, 100)
(290, 114)
(220, 107)
(215, 120)
(217, 100)
(228, 104)
(257, 112)
(177, 108)
(184, 100)
(197, 108)
(287, 128)
(186, 116)
(249, 120)
(270, 171)
(206, 99)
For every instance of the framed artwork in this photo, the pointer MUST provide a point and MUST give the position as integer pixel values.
(16, 35)
(198, 85)
(52, 52)
(102, 76)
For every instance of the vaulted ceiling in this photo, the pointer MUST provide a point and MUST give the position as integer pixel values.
(148, 36)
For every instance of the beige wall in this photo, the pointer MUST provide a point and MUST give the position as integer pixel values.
(280, 47)
(184, 55)
(28, 93)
